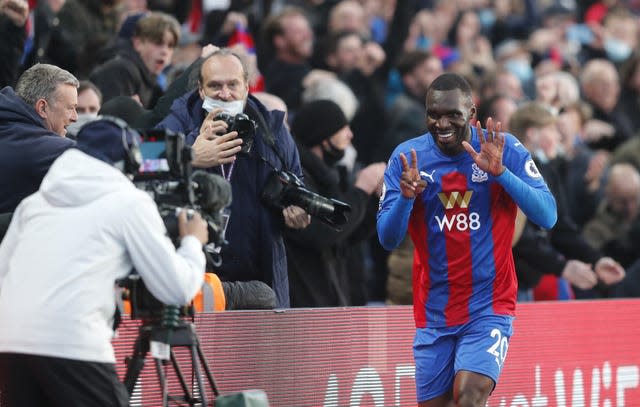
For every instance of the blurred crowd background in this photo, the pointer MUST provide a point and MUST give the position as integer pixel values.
(562, 75)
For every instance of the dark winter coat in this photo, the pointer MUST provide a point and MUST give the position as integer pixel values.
(318, 256)
(11, 48)
(256, 249)
(27, 149)
(540, 251)
(127, 75)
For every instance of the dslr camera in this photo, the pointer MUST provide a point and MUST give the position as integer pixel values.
(284, 188)
(245, 127)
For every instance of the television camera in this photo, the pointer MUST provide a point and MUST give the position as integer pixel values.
(166, 174)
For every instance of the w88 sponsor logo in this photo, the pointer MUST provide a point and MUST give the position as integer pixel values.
(459, 221)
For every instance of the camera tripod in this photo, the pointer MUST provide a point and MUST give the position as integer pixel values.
(184, 335)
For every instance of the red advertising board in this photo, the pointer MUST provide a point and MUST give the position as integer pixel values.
(564, 354)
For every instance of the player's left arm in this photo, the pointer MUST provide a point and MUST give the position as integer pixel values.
(517, 174)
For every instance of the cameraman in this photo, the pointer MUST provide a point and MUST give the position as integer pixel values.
(86, 227)
(255, 249)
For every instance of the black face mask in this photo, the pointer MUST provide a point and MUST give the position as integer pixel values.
(331, 155)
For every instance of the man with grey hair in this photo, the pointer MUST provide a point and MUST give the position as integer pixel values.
(255, 226)
(33, 122)
(600, 87)
(615, 227)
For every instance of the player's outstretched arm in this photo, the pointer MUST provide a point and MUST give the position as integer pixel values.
(538, 204)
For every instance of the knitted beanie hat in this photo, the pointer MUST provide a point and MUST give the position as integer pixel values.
(317, 121)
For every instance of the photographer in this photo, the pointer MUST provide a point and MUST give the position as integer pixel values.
(255, 249)
(86, 227)
(325, 263)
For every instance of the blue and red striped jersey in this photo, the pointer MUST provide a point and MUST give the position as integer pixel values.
(461, 226)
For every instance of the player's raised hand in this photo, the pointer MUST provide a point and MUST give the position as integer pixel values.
(411, 185)
(489, 158)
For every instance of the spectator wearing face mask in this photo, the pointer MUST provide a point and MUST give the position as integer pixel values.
(254, 230)
(89, 104)
(318, 256)
(614, 37)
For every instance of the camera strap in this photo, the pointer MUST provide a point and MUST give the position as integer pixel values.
(269, 138)
(225, 175)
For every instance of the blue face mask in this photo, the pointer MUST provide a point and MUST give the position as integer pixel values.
(617, 51)
(580, 34)
(423, 42)
(520, 68)
(487, 18)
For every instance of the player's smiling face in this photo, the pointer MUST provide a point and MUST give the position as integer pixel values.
(448, 116)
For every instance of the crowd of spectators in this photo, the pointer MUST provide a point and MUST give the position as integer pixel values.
(567, 71)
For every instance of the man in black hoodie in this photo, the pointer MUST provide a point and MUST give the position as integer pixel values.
(33, 122)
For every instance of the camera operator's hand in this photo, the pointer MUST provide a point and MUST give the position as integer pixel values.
(209, 149)
(196, 226)
(295, 217)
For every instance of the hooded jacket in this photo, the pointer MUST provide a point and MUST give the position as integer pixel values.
(256, 248)
(68, 243)
(27, 149)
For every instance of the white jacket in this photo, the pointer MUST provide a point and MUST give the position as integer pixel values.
(66, 246)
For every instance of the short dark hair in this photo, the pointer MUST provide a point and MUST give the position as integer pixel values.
(451, 81)
(411, 60)
(87, 84)
(334, 39)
